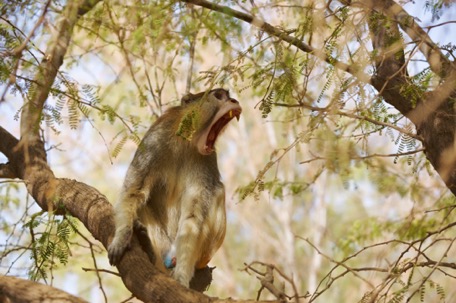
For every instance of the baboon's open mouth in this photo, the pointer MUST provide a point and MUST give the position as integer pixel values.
(218, 126)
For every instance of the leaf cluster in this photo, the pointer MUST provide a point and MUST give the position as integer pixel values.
(50, 243)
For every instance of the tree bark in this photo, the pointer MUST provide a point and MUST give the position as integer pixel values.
(25, 291)
(433, 113)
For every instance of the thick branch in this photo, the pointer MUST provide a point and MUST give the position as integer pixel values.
(432, 113)
(6, 171)
(19, 290)
(7, 143)
(436, 117)
(390, 76)
(438, 62)
(49, 66)
(434, 100)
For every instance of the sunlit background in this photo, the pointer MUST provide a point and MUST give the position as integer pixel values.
(304, 189)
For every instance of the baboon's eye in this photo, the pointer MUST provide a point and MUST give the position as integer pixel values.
(219, 94)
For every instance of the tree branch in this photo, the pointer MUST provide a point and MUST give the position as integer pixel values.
(391, 74)
(6, 171)
(432, 113)
(349, 115)
(7, 143)
(18, 50)
(19, 290)
(283, 35)
(438, 62)
(47, 70)
(433, 100)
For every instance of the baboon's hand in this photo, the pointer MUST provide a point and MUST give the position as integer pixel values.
(118, 245)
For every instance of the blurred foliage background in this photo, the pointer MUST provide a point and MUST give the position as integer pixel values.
(324, 180)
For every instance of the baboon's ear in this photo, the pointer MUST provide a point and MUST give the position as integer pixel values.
(189, 98)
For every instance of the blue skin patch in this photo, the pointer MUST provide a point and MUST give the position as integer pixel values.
(170, 262)
(170, 258)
